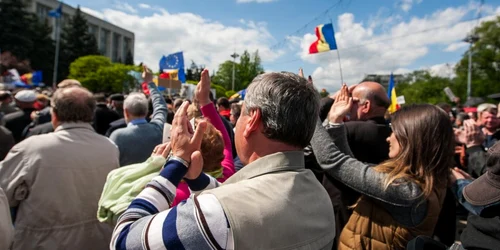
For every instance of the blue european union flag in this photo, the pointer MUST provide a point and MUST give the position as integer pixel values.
(174, 61)
(57, 13)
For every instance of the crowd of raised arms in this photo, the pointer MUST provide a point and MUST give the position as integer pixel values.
(279, 169)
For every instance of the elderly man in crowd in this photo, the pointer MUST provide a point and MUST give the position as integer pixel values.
(272, 203)
(17, 121)
(6, 103)
(139, 138)
(6, 228)
(489, 123)
(367, 131)
(54, 181)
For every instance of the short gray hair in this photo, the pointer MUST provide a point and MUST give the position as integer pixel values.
(136, 104)
(73, 104)
(289, 107)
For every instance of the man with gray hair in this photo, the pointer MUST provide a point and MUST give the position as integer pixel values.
(272, 203)
(139, 138)
(54, 180)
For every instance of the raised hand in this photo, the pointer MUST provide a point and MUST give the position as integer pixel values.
(147, 75)
(184, 142)
(342, 105)
(471, 135)
(202, 91)
(301, 73)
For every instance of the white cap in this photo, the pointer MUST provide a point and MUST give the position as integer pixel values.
(26, 96)
(485, 106)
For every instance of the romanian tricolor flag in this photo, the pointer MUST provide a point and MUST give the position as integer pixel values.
(392, 96)
(326, 39)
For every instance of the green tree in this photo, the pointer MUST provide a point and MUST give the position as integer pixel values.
(245, 71)
(76, 41)
(485, 62)
(84, 66)
(323, 93)
(113, 79)
(421, 87)
(15, 32)
(43, 53)
(26, 38)
(230, 93)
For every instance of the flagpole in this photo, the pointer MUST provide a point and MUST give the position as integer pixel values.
(338, 57)
(56, 59)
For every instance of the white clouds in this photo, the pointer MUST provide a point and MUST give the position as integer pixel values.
(144, 6)
(364, 50)
(442, 70)
(125, 7)
(256, 1)
(406, 5)
(206, 42)
(455, 46)
(92, 12)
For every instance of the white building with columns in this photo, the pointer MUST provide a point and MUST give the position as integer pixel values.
(113, 41)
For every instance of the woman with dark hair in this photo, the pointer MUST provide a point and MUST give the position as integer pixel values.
(401, 197)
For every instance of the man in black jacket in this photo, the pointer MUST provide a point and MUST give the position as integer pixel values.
(17, 121)
(103, 116)
(367, 132)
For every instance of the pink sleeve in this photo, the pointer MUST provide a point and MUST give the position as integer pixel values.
(210, 112)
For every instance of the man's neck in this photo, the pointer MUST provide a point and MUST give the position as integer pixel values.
(136, 120)
(271, 147)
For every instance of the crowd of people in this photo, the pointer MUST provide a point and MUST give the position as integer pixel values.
(280, 169)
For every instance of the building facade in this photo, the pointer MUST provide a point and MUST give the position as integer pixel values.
(113, 42)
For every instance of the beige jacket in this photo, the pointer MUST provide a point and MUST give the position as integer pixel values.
(55, 181)
(275, 203)
(6, 229)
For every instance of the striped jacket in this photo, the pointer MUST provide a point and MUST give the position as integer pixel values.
(151, 223)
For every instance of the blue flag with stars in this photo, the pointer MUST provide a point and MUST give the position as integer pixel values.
(57, 13)
(174, 61)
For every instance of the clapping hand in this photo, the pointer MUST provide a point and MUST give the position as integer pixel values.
(341, 107)
(147, 75)
(471, 135)
(186, 143)
(202, 91)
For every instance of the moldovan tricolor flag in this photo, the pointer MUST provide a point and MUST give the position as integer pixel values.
(392, 96)
(326, 39)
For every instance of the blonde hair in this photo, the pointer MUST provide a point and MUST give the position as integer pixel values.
(212, 147)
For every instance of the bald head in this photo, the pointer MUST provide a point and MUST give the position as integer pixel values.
(373, 100)
(73, 104)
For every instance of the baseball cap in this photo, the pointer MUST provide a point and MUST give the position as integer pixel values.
(25, 96)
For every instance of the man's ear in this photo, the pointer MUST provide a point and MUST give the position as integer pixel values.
(367, 107)
(253, 123)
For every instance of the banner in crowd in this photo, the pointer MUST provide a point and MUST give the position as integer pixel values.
(173, 65)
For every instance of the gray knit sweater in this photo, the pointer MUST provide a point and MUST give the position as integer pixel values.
(401, 199)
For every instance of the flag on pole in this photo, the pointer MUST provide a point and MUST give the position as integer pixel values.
(391, 92)
(326, 39)
(57, 13)
(174, 62)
